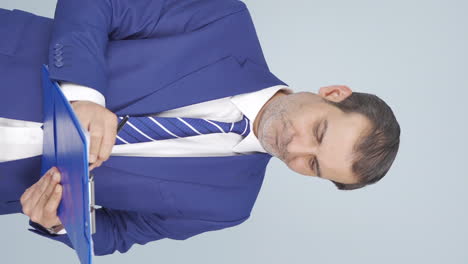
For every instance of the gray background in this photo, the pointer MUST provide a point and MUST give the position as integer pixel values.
(413, 54)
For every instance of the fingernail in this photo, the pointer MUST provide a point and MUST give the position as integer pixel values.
(57, 188)
(92, 158)
(56, 176)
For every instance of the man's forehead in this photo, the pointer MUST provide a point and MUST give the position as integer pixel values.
(337, 152)
(337, 170)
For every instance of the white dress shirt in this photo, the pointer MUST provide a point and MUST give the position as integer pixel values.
(23, 139)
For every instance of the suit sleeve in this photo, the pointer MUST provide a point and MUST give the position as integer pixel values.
(119, 230)
(82, 29)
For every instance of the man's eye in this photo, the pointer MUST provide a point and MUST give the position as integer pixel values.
(316, 131)
(312, 164)
(319, 137)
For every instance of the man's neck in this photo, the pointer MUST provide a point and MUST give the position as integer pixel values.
(264, 107)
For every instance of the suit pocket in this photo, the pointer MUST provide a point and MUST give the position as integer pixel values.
(12, 27)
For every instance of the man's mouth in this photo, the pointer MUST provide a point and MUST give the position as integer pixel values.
(279, 146)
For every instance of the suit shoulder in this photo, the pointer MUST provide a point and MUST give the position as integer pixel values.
(211, 11)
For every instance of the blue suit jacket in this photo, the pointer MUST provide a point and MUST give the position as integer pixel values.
(144, 57)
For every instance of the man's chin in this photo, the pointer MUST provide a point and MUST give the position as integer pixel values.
(270, 150)
(274, 152)
(270, 144)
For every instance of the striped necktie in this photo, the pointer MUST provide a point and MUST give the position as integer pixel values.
(152, 128)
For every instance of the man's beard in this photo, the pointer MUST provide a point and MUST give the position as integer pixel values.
(272, 133)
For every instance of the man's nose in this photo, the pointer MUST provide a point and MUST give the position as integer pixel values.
(301, 148)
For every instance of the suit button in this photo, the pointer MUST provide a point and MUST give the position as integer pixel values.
(58, 57)
(58, 46)
(58, 52)
(59, 64)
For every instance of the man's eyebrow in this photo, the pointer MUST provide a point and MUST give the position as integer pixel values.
(317, 165)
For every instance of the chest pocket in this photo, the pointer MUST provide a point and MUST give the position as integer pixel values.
(12, 27)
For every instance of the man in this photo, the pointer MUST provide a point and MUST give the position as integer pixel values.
(190, 59)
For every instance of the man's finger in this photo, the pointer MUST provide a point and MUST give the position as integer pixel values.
(107, 143)
(39, 190)
(41, 180)
(27, 194)
(54, 201)
(48, 192)
(29, 191)
(96, 134)
(49, 217)
(96, 164)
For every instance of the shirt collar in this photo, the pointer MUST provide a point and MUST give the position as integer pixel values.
(250, 104)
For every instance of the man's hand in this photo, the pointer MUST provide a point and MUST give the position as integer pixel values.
(102, 126)
(41, 200)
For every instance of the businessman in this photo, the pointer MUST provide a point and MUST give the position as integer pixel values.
(205, 117)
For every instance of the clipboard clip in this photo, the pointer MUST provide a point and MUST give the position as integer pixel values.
(92, 203)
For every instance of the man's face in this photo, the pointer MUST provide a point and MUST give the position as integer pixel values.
(300, 127)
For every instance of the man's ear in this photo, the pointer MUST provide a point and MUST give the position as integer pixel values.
(335, 93)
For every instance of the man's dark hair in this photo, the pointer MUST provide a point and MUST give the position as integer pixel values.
(376, 150)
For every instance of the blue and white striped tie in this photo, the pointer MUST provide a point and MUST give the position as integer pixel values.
(152, 128)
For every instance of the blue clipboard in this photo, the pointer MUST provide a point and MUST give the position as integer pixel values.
(66, 146)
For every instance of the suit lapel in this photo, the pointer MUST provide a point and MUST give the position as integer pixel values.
(216, 171)
(227, 77)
